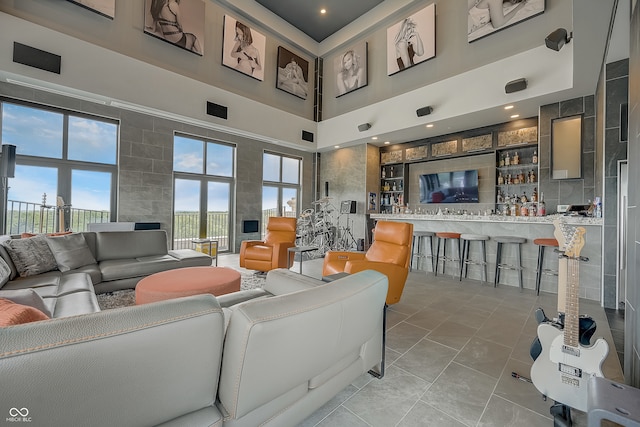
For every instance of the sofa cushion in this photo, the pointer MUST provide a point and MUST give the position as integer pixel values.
(31, 256)
(26, 297)
(70, 251)
(116, 269)
(130, 244)
(7, 258)
(12, 313)
(5, 272)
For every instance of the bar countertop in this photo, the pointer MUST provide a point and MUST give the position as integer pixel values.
(548, 219)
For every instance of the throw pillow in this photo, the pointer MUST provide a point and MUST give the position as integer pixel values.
(70, 251)
(31, 256)
(26, 297)
(5, 272)
(16, 314)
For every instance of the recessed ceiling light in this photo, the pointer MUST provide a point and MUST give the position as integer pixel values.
(515, 116)
(387, 142)
(336, 146)
(374, 137)
(323, 11)
(508, 107)
(430, 125)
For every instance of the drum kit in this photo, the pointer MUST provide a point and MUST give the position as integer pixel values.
(317, 227)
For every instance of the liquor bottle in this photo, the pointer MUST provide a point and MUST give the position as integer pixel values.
(523, 198)
(391, 172)
(384, 173)
(500, 178)
(507, 160)
(534, 159)
(533, 176)
(542, 209)
(521, 177)
(516, 159)
(534, 196)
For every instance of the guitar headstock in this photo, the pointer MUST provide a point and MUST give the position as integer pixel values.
(576, 243)
(570, 239)
(560, 233)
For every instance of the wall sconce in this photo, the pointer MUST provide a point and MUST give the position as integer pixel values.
(364, 126)
(424, 111)
(557, 39)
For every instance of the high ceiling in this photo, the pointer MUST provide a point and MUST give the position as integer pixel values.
(305, 14)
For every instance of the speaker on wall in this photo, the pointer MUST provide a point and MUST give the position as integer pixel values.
(307, 136)
(216, 110)
(364, 126)
(515, 85)
(27, 55)
(326, 189)
(424, 111)
(8, 161)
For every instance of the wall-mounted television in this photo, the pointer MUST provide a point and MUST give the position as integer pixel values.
(449, 187)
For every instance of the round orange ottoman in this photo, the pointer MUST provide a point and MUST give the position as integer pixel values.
(183, 282)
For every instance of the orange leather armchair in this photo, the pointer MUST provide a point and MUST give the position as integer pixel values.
(389, 254)
(270, 253)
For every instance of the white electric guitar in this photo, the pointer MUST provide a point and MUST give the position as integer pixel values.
(564, 367)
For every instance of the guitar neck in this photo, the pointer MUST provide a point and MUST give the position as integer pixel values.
(572, 307)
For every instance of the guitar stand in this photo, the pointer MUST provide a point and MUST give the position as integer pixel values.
(561, 415)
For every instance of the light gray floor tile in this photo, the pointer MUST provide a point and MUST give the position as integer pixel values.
(385, 403)
(428, 318)
(403, 336)
(330, 406)
(343, 418)
(427, 359)
(484, 356)
(501, 413)
(452, 334)
(461, 392)
(423, 415)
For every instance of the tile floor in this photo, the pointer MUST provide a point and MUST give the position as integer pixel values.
(451, 349)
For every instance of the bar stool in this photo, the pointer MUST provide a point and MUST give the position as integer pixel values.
(501, 240)
(418, 237)
(543, 243)
(465, 261)
(443, 237)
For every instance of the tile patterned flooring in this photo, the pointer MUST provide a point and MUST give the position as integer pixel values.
(451, 349)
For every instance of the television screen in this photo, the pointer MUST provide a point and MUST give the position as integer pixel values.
(449, 187)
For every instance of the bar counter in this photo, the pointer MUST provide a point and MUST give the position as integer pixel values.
(590, 273)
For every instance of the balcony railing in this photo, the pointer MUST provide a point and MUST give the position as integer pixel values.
(186, 226)
(27, 217)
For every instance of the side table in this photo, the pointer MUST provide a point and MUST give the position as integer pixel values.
(299, 250)
(207, 246)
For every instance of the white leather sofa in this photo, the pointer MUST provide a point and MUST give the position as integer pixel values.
(173, 363)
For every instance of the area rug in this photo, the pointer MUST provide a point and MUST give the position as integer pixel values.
(127, 297)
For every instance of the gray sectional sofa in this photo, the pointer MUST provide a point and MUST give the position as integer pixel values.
(86, 263)
(271, 360)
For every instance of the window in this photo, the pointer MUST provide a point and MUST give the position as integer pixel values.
(202, 191)
(280, 186)
(65, 168)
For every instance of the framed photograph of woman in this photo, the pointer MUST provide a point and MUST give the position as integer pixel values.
(485, 17)
(293, 73)
(179, 22)
(351, 69)
(105, 8)
(243, 48)
(412, 40)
